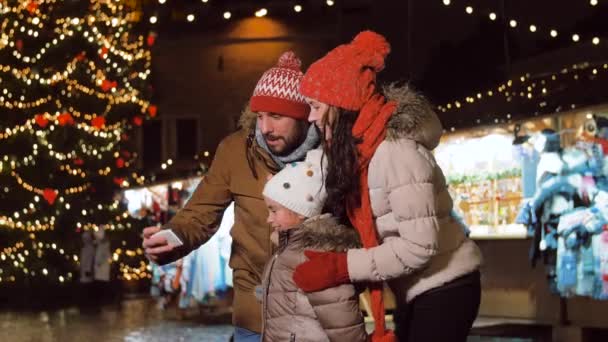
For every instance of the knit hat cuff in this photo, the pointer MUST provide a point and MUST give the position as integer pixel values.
(277, 194)
(293, 109)
(309, 91)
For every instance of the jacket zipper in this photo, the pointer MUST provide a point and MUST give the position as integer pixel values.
(265, 295)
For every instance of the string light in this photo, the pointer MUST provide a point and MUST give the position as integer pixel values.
(595, 40)
(593, 2)
(297, 8)
(153, 19)
(513, 23)
(531, 84)
(190, 17)
(261, 12)
(118, 52)
(329, 2)
(227, 15)
(575, 37)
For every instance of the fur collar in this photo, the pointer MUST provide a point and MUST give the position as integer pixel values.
(247, 119)
(414, 118)
(321, 233)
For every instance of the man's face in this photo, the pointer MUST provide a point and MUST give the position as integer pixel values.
(282, 134)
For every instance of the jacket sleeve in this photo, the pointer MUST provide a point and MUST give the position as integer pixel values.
(200, 218)
(402, 182)
(337, 310)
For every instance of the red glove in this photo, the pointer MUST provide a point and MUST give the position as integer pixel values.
(388, 336)
(322, 270)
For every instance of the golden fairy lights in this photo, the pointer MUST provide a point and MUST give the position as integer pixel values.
(18, 255)
(115, 53)
(531, 28)
(540, 86)
(531, 88)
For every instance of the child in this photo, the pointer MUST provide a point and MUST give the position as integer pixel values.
(295, 197)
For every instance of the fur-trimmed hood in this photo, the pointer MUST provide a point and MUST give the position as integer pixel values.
(320, 233)
(247, 119)
(414, 118)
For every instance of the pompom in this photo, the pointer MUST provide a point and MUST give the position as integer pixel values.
(289, 60)
(376, 47)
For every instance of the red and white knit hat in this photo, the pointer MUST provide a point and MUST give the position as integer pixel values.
(278, 89)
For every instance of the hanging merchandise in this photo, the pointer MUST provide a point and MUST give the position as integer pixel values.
(568, 214)
(204, 273)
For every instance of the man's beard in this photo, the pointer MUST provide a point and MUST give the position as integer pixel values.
(289, 144)
(284, 150)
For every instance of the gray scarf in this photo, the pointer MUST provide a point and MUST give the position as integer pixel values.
(312, 140)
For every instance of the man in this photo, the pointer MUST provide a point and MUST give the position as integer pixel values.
(274, 131)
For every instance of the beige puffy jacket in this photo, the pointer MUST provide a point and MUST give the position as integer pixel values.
(423, 245)
(292, 315)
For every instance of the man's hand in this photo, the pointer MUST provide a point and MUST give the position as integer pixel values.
(155, 247)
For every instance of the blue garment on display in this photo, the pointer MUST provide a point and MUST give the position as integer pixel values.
(528, 159)
(566, 272)
(586, 272)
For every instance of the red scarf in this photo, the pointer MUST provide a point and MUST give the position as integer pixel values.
(370, 126)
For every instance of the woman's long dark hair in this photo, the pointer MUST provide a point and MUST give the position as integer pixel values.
(342, 180)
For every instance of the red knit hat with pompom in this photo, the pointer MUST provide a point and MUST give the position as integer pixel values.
(346, 76)
(277, 90)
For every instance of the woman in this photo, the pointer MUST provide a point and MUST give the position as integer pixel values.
(384, 178)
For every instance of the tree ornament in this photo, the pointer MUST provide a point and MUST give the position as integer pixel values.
(49, 195)
(65, 119)
(32, 6)
(137, 120)
(98, 122)
(41, 120)
(152, 110)
(151, 38)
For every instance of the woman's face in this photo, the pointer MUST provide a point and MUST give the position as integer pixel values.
(322, 116)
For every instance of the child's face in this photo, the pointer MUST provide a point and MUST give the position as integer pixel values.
(281, 218)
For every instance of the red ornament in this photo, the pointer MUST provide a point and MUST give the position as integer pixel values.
(98, 122)
(151, 39)
(118, 180)
(124, 137)
(138, 121)
(104, 51)
(126, 154)
(41, 120)
(49, 195)
(32, 7)
(152, 109)
(120, 163)
(19, 44)
(107, 85)
(81, 56)
(65, 119)
(78, 161)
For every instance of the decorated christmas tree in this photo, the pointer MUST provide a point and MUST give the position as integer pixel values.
(74, 84)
